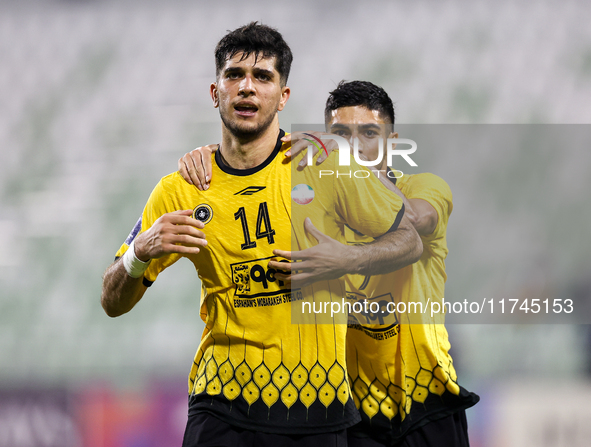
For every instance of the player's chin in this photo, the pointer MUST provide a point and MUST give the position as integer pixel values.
(245, 129)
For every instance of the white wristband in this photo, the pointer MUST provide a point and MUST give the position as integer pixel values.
(133, 266)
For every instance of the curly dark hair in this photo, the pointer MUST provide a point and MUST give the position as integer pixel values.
(259, 39)
(360, 93)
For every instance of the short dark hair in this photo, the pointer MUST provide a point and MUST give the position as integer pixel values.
(360, 93)
(262, 40)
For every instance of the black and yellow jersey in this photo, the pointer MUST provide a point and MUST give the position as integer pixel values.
(257, 365)
(401, 373)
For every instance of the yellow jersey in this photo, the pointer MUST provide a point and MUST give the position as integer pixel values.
(262, 364)
(398, 361)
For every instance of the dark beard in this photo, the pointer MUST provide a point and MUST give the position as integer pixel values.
(246, 134)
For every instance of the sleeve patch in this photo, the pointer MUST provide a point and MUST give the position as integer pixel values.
(134, 232)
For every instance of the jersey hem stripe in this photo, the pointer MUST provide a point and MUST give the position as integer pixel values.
(277, 429)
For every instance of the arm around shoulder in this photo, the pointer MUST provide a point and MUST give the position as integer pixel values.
(428, 200)
(392, 251)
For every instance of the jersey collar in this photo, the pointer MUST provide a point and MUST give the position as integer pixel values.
(243, 172)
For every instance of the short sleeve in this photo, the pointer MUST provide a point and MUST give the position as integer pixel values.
(436, 191)
(364, 204)
(158, 204)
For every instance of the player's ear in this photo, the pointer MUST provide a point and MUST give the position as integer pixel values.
(393, 135)
(213, 91)
(285, 92)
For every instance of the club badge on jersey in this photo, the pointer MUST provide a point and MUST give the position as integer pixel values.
(203, 213)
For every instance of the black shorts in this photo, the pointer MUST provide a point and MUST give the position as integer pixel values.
(450, 431)
(205, 430)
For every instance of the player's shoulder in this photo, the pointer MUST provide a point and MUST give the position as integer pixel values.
(425, 180)
(172, 179)
(423, 177)
(173, 184)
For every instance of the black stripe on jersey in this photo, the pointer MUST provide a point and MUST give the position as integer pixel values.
(365, 282)
(358, 233)
(244, 172)
(376, 330)
(394, 226)
(392, 179)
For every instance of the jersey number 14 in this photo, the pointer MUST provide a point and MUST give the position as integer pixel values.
(262, 221)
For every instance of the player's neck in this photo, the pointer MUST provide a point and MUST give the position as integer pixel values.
(240, 154)
(382, 167)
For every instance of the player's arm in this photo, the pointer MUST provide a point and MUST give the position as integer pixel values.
(420, 213)
(175, 232)
(389, 252)
(331, 259)
(120, 291)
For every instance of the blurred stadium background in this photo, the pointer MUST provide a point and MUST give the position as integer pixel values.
(98, 99)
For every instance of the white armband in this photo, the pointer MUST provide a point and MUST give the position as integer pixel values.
(133, 266)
